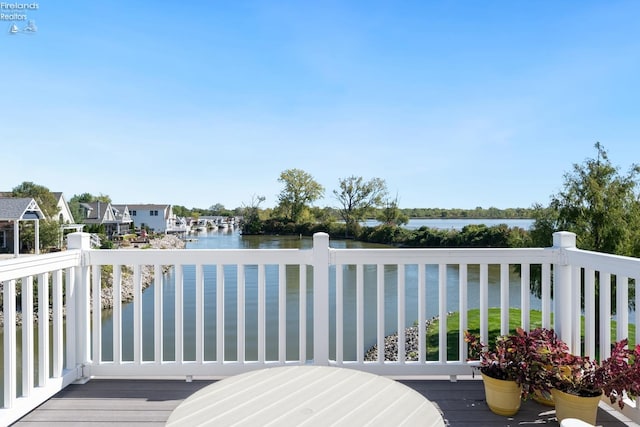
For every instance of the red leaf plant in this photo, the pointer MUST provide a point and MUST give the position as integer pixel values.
(617, 375)
(523, 357)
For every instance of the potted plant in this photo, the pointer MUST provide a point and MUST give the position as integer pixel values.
(501, 369)
(545, 350)
(511, 367)
(579, 382)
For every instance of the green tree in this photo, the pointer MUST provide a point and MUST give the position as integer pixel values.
(218, 209)
(45, 198)
(596, 202)
(251, 223)
(49, 227)
(300, 190)
(357, 198)
(74, 205)
(600, 205)
(391, 214)
(77, 199)
(181, 211)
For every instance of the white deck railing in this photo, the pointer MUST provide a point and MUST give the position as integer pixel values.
(223, 312)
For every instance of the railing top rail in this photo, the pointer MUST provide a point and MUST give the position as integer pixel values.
(337, 256)
(196, 256)
(28, 265)
(444, 256)
(616, 264)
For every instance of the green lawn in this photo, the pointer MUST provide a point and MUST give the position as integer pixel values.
(473, 326)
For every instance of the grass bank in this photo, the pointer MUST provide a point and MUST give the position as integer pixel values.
(473, 326)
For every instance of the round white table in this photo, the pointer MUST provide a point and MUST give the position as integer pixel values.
(306, 396)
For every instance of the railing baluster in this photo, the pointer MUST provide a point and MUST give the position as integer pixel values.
(622, 307)
(262, 322)
(117, 314)
(179, 314)
(525, 298)
(360, 313)
(282, 313)
(576, 312)
(504, 299)
(463, 305)
(70, 293)
(442, 312)
(484, 303)
(27, 336)
(97, 312)
(589, 311)
(422, 313)
(58, 324)
(340, 314)
(158, 322)
(302, 333)
(241, 308)
(10, 342)
(380, 311)
(546, 295)
(137, 314)
(605, 314)
(220, 313)
(43, 329)
(199, 313)
(402, 307)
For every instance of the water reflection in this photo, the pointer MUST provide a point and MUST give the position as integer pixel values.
(234, 240)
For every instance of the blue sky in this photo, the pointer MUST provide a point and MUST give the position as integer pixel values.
(455, 104)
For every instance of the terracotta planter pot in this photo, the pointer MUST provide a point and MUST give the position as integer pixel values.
(538, 397)
(572, 406)
(503, 397)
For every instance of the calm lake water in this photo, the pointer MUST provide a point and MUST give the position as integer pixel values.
(233, 240)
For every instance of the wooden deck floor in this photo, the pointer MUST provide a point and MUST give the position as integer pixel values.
(149, 402)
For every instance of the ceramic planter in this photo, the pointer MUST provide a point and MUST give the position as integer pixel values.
(539, 397)
(572, 406)
(503, 397)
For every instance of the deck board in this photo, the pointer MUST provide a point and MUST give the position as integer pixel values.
(113, 403)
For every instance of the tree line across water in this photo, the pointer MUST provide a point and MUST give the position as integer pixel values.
(597, 201)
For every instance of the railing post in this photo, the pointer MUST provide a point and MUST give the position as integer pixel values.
(320, 299)
(562, 285)
(78, 326)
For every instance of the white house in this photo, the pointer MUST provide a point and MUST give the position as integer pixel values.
(65, 218)
(122, 215)
(158, 218)
(115, 218)
(64, 213)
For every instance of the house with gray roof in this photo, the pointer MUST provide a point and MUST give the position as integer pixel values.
(14, 210)
(114, 218)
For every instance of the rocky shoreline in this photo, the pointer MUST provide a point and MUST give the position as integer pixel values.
(168, 241)
(411, 346)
